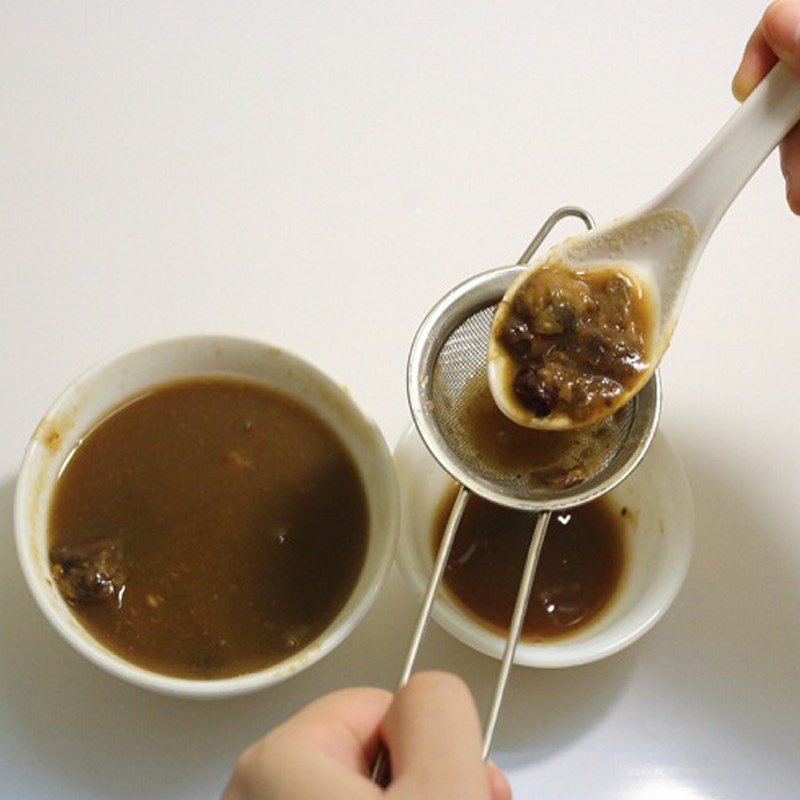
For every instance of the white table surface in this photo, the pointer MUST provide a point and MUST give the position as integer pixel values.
(316, 175)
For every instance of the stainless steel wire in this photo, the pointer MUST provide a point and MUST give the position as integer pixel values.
(448, 352)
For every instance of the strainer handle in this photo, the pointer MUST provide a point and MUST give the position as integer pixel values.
(550, 223)
(517, 620)
(380, 770)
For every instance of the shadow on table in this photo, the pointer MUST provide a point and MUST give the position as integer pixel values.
(102, 738)
(734, 627)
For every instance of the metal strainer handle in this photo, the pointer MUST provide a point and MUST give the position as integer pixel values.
(380, 771)
(381, 766)
(549, 224)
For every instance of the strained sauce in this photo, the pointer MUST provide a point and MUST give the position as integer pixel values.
(580, 568)
(208, 528)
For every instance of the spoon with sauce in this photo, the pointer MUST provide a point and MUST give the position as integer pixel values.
(582, 331)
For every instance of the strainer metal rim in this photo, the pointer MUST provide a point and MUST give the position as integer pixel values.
(479, 291)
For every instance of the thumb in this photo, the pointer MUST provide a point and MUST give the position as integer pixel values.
(498, 783)
(781, 28)
(433, 736)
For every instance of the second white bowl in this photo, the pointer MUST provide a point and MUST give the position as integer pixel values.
(659, 544)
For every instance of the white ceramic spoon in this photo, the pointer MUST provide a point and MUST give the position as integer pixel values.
(662, 242)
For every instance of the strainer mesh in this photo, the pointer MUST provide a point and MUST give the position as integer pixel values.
(460, 360)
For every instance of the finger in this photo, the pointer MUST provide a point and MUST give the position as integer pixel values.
(434, 740)
(498, 784)
(322, 752)
(790, 166)
(270, 771)
(780, 26)
(344, 725)
(757, 60)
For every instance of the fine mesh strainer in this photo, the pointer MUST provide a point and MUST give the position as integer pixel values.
(447, 354)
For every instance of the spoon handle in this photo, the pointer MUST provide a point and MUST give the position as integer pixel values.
(712, 181)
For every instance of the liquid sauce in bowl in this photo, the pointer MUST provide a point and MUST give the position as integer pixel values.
(209, 528)
(580, 568)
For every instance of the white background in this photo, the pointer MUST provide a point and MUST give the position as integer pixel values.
(316, 175)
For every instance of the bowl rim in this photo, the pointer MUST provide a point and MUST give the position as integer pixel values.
(89, 647)
(566, 652)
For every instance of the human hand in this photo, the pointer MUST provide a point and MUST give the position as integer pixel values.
(776, 37)
(430, 728)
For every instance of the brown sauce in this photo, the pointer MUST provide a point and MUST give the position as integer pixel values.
(578, 340)
(549, 459)
(208, 528)
(580, 567)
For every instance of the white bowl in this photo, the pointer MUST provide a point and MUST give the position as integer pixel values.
(93, 395)
(659, 543)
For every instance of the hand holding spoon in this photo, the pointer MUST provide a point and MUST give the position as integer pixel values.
(655, 250)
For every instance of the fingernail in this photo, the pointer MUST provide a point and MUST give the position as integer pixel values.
(782, 23)
(739, 87)
(791, 196)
